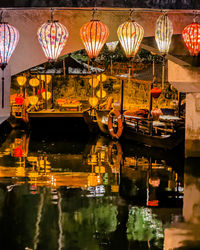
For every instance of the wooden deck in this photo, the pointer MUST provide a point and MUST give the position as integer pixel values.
(53, 113)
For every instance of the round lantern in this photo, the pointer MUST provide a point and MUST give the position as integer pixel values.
(191, 38)
(163, 33)
(48, 95)
(130, 35)
(94, 35)
(21, 80)
(112, 46)
(44, 78)
(34, 82)
(52, 37)
(93, 101)
(94, 82)
(19, 100)
(9, 37)
(102, 77)
(101, 94)
(155, 92)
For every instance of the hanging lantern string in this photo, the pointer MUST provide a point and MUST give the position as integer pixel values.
(52, 14)
(93, 13)
(163, 72)
(131, 14)
(1, 16)
(195, 16)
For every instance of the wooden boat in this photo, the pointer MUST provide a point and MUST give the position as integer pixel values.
(166, 133)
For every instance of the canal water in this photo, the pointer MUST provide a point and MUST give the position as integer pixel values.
(86, 192)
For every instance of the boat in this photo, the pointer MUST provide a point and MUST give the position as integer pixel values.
(167, 133)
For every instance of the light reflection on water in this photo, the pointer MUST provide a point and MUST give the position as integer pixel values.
(85, 194)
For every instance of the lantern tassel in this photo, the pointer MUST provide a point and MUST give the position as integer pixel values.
(2, 105)
(163, 73)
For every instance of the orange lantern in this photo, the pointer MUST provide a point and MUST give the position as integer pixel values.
(94, 35)
(34, 82)
(94, 82)
(155, 92)
(21, 80)
(191, 38)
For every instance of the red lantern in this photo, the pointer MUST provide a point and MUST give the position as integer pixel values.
(40, 92)
(18, 152)
(191, 38)
(19, 100)
(155, 92)
(153, 203)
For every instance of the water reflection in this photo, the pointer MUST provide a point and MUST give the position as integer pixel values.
(82, 194)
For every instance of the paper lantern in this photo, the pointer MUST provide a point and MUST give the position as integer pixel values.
(102, 77)
(44, 78)
(33, 100)
(112, 46)
(191, 38)
(98, 93)
(155, 92)
(156, 113)
(34, 82)
(9, 37)
(94, 35)
(163, 33)
(130, 35)
(21, 80)
(93, 101)
(52, 37)
(94, 82)
(18, 152)
(19, 100)
(48, 96)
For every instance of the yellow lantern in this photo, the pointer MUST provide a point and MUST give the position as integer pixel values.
(93, 101)
(21, 80)
(44, 78)
(34, 82)
(92, 179)
(33, 100)
(130, 35)
(101, 94)
(48, 95)
(94, 82)
(102, 77)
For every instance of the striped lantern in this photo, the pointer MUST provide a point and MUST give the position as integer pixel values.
(52, 37)
(9, 37)
(191, 38)
(163, 33)
(130, 35)
(94, 35)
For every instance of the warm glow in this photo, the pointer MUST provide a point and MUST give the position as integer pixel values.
(94, 35)
(9, 37)
(94, 82)
(163, 33)
(48, 95)
(34, 82)
(45, 78)
(52, 37)
(130, 35)
(33, 99)
(93, 101)
(101, 95)
(191, 38)
(21, 80)
(102, 77)
(112, 46)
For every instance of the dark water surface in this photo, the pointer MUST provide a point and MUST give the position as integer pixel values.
(86, 192)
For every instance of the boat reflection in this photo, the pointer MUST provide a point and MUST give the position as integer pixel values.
(95, 195)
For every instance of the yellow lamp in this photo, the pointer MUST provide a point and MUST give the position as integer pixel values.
(93, 101)
(21, 80)
(48, 95)
(34, 82)
(33, 100)
(102, 77)
(101, 94)
(44, 78)
(94, 82)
